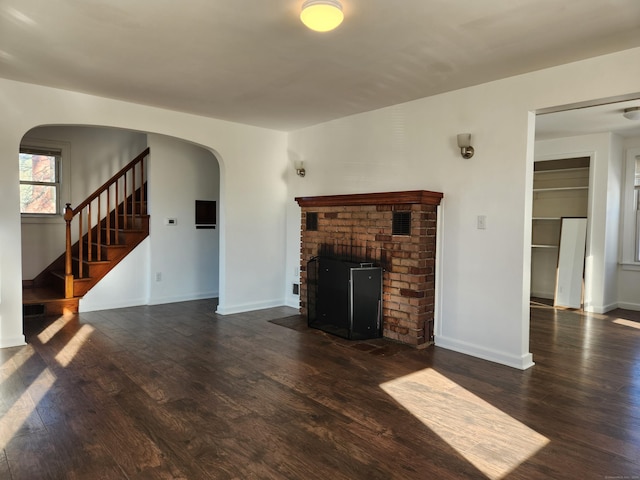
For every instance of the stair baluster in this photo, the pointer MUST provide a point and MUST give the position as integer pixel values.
(68, 272)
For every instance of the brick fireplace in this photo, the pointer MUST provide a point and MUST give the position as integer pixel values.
(394, 230)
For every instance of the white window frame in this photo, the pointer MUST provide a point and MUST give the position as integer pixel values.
(630, 256)
(64, 178)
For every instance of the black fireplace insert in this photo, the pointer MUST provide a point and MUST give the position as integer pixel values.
(344, 298)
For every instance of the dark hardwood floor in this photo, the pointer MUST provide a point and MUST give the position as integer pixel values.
(176, 392)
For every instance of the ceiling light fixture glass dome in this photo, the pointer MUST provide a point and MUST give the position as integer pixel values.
(322, 15)
(632, 113)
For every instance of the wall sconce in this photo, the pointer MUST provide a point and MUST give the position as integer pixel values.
(300, 171)
(464, 143)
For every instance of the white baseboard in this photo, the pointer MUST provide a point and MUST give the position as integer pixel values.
(248, 307)
(293, 301)
(546, 295)
(12, 342)
(522, 362)
(629, 306)
(137, 302)
(94, 307)
(602, 308)
(182, 298)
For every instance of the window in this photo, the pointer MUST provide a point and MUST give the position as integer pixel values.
(636, 203)
(39, 181)
(630, 232)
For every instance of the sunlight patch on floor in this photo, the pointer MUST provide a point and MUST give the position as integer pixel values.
(494, 442)
(22, 415)
(71, 348)
(50, 332)
(15, 363)
(627, 323)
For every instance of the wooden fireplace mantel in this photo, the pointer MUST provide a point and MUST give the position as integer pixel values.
(423, 197)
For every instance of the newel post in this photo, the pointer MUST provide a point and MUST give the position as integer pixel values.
(68, 272)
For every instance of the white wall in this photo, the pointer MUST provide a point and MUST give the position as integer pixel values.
(126, 285)
(95, 154)
(601, 264)
(180, 174)
(413, 146)
(484, 274)
(615, 184)
(252, 197)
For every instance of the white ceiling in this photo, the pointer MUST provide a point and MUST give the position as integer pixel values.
(252, 61)
(601, 118)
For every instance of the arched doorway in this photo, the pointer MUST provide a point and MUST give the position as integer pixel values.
(177, 262)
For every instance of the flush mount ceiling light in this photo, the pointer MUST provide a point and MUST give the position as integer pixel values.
(632, 113)
(321, 15)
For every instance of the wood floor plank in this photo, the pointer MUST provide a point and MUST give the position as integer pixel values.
(176, 391)
(5, 472)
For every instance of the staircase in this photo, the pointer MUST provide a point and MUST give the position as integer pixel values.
(109, 224)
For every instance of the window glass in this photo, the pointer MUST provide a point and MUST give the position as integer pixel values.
(39, 182)
(630, 224)
(37, 168)
(38, 199)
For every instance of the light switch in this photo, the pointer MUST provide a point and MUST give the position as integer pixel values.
(482, 222)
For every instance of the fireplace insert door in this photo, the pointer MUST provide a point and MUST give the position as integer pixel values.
(345, 298)
(365, 303)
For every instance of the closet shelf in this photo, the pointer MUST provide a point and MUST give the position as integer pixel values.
(556, 170)
(559, 189)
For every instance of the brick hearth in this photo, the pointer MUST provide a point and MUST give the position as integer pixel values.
(360, 227)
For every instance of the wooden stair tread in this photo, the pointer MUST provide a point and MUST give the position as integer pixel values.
(61, 275)
(93, 262)
(39, 301)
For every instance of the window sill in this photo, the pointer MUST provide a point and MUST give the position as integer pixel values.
(42, 219)
(631, 266)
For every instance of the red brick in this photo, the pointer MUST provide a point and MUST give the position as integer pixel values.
(405, 292)
(408, 294)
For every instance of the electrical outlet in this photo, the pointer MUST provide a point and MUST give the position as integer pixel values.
(158, 276)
